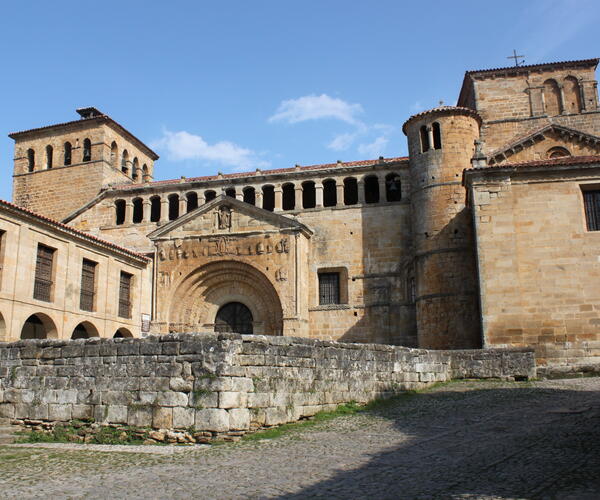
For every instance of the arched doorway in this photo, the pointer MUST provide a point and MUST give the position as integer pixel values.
(38, 326)
(201, 295)
(234, 317)
(84, 330)
(122, 333)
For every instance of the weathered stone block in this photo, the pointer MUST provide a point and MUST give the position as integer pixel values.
(172, 399)
(117, 414)
(162, 418)
(212, 419)
(183, 418)
(233, 400)
(239, 419)
(60, 412)
(139, 416)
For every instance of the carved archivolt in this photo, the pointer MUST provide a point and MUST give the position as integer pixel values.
(195, 302)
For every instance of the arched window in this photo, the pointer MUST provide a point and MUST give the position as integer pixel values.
(230, 192)
(38, 326)
(67, 151)
(437, 135)
(30, 160)
(249, 195)
(84, 330)
(135, 174)
(173, 206)
(87, 150)
(114, 154)
(209, 195)
(572, 94)
(329, 193)
(393, 188)
(138, 210)
(192, 201)
(424, 135)
(155, 209)
(552, 97)
(557, 152)
(289, 196)
(308, 194)
(371, 189)
(120, 212)
(124, 161)
(350, 191)
(268, 198)
(145, 173)
(49, 153)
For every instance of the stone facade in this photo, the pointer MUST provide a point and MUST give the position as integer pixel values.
(421, 251)
(58, 311)
(221, 384)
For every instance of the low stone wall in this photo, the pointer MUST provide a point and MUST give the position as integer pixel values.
(568, 359)
(221, 384)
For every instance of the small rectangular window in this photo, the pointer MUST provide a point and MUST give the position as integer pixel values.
(591, 200)
(42, 288)
(88, 285)
(125, 295)
(329, 288)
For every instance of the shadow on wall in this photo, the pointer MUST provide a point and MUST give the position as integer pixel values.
(501, 443)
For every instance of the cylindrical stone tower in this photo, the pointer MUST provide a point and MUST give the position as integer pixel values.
(441, 145)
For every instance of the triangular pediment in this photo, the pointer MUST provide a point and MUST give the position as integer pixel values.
(542, 143)
(226, 215)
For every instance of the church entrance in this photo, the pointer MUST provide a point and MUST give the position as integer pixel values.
(234, 317)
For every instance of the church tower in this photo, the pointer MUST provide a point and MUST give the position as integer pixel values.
(59, 168)
(441, 145)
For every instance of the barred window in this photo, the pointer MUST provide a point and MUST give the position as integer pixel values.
(591, 201)
(329, 288)
(88, 285)
(125, 295)
(42, 287)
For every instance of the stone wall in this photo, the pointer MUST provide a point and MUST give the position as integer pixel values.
(221, 383)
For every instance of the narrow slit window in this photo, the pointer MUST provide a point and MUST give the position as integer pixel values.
(87, 150)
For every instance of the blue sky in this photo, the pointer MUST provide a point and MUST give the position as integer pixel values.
(238, 85)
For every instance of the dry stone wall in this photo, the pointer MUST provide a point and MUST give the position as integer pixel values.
(221, 384)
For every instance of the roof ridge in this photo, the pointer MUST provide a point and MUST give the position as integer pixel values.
(529, 66)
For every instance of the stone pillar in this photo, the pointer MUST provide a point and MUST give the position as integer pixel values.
(146, 210)
(258, 198)
(318, 195)
(239, 195)
(563, 108)
(278, 198)
(298, 193)
(360, 186)
(339, 192)
(382, 193)
(201, 198)
(128, 212)
(430, 136)
(182, 204)
(164, 209)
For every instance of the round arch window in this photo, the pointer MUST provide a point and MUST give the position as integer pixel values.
(557, 152)
(234, 317)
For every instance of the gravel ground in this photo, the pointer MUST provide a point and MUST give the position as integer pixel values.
(489, 440)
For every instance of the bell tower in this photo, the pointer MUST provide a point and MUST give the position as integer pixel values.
(59, 168)
(441, 145)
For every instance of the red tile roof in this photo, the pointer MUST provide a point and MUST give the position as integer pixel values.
(579, 62)
(69, 229)
(443, 110)
(242, 175)
(98, 119)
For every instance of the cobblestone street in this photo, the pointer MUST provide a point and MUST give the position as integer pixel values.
(486, 440)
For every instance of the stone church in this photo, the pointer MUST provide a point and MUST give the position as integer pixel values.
(486, 235)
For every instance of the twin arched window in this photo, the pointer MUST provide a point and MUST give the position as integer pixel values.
(431, 137)
(565, 98)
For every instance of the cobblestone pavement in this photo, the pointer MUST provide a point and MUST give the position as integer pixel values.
(490, 440)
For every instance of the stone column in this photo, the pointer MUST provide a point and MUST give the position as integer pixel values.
(258, 198)
(239, 195)
(430, 136)
(318, 194)
(164, 209)
(339, 192)
(182, 204)
(278, 198)
(563, 108)
(201, 198)
(381, 182)
(146, 210)
(298, 193)
(128, 212)
(360, 187)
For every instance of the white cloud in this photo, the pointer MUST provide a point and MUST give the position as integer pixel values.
(375, 148)
(316, 107)
(185, 146)
(342, 142)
